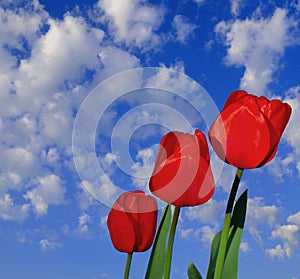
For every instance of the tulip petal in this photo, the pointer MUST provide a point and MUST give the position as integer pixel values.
(122, 231)
(235, 96)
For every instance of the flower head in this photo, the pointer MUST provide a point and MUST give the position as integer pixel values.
(132, 222)
(182, 175)
(247, 132)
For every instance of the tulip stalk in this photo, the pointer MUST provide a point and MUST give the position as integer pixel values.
(171, 242)
(226, 224)
(128, 265)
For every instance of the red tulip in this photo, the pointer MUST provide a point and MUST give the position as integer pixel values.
(132, 222)
(182, 175)
(246, 134)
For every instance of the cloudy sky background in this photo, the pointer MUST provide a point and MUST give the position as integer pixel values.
(53, 55)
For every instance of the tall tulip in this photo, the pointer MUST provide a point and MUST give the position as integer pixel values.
(246, 133)
(182, 175)
(132, 223)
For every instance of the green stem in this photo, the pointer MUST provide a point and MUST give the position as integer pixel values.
(226, 225)
(171, 242)
(128, 264)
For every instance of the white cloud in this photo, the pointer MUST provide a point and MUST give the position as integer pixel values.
(115, 60)
(293, 99)
(208, 213)
(199, 1)
(143, 167)
(257, 44)
(11, 211)
(245, 247)
(20, 160)
(48, 245)
(258, 215)
(84, 199)
(205, 234)
(42, 85)
(227, 175)
(235, 7)
(133, 22)
(183, 28)
(186, 233)
(277, 252)
(296, 4)
(289, 235)
(289, 162)
(58, 56)
(105, 192)
(280, 167)
(51, 155)
(17, 28)
(49, 191)
(83, 221)
(295, 219)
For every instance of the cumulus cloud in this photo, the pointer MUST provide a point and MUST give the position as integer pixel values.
(277, 252)
(83, 221)
(105, 191)
(47, 67)
(58, 56)
(183, 28)
(205, 234)
(258, 215)
(133, 22)
(288, 234)
(292, 97)
(11, 211)
(288, 163)
(257, 44)
(208, 213)
(49, 191)
(281, 167)
(143, 167)
(48, 245)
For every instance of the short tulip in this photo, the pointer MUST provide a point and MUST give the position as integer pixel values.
(246, 133)
(132, 222)
(182, 175)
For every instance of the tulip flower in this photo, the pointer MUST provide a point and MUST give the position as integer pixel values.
(182, 175)
(132, 224)
(246, 133)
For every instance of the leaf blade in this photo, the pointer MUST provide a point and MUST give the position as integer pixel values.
(156, 262)
(230, 268)
(214, 249)
(193, 272)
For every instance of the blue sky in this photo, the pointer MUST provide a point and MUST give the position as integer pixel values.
(54, 53)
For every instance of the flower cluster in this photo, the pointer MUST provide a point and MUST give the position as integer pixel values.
(246, 135)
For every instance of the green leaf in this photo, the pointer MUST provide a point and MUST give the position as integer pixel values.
(193, 272)
(213, 255)
(156, 262)
(230, 268)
